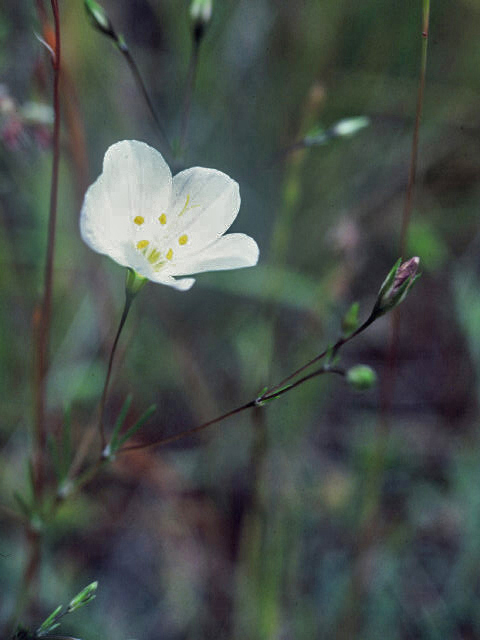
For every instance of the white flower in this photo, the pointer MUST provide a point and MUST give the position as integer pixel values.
(162, 227)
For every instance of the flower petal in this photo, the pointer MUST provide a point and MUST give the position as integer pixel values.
(233, 251)
(183, 284)
(136, 181)
(204, 204)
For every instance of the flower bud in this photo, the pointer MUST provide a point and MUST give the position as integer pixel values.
(84, 597)
(396, 285)
(350, 126)
(200, 13)
(361, 377)
(99, 18)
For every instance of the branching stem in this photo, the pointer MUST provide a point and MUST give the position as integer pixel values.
(257, 402)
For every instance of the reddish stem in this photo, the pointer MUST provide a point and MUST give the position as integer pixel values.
(45, 310)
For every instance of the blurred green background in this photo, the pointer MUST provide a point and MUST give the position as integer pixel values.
(310, 518)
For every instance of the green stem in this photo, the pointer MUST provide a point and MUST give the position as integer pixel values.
(336, 347)
(189, 91)
(101, 427)
(407, 211)
(370, 508)
(123, 48)
(256, 402)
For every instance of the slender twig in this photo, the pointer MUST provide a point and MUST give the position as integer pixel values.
(101, 427)
(123, 48)
(257, 402)
(370, 509)
(189, 91)
(80, 482)
(42, 332)
(333, 350)
(44, 315)
(388, 385)
(271, 393)
(407, 211)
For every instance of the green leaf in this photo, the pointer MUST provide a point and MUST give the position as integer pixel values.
(140, 422)
(49, 623)
(23, 505)
(84, 597)
(120, 421)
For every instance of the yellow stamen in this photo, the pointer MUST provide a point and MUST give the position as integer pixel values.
(163, 219)
(170, 254)
(154, 256)
(183, 239)
(142, 244)
(139, 220)
(185, 206)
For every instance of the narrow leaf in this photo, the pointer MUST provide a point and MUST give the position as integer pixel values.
(120, 421)
(49, 623)
(140, 422)
(84, 597)
(25, 508)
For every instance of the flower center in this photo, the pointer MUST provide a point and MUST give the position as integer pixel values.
(157, 257)
(154, 255)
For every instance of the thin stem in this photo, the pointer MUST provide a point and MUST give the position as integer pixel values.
(371, 504)
(407, 211)
(42, 330)
(189, 91)
(30, 573)
(257, 402)
(81, 481)
(387, 390)
(342, 341)
(44, 314)
(143, 89)
(189, 432)
(101, 427)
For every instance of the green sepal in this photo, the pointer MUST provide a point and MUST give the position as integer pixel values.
(350, 320)
(393, 290)
(134, 283)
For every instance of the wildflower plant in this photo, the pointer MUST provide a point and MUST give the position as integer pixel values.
(165, 229)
